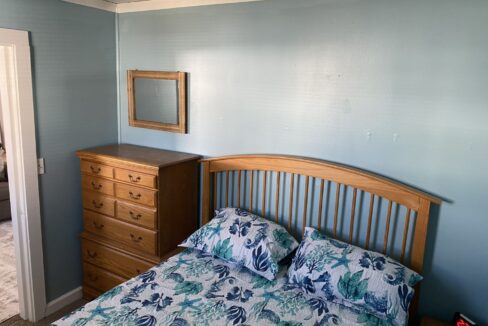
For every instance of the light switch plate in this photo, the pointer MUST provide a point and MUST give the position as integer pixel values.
(40, 166)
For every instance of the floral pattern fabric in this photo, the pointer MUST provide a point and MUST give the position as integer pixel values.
(193, 288)
(353, 277)
(240, 237)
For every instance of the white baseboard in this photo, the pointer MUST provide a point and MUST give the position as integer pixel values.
(64, 300)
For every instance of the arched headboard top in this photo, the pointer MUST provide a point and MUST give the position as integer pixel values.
(415, 201)
(322, 169)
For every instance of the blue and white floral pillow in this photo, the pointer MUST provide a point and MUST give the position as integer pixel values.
(353, 276)
(238, 236)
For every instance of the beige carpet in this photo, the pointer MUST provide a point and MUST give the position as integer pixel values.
(9, 301)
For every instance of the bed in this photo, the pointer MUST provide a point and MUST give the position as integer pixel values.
(196, 288)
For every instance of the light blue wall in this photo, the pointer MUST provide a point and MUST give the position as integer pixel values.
(316, 77)
(74, 70)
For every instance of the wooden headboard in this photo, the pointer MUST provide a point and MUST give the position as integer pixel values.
(361, 207)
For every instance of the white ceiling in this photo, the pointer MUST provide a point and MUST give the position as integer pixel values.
(122, 6)
(123, 1)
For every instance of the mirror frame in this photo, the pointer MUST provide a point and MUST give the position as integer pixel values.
(180, 78)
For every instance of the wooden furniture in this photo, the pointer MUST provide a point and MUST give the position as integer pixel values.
(138, 204)
(136, 118)
(427, 321)
(351, 204)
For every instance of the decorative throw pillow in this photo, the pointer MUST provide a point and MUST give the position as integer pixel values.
(353, 276)
(238, 236)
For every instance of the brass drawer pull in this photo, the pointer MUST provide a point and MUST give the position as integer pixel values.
(92, 278)
(91, 254)
(95, 170)
(100, 205)
(135, 197)
(135, 180)
(95, 186)
(135, 238)
(98, 226)
(134, 216)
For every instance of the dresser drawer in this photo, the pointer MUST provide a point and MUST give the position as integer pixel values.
(136, 178)
(102, 186)
(90, 294)
(100, 279)
(99, 203)
(130, 235)
(136, 214)
(97, 169)
(137, 195)
(113, 260)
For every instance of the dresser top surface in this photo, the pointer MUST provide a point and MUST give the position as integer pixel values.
(138, 154)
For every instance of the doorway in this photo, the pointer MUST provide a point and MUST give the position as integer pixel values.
(19, 136)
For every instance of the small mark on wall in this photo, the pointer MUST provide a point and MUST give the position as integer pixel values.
(369, 134)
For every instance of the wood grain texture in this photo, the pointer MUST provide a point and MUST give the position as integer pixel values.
(133, 156)
(353, 213)
(344, 177)
(96, 184)
(113, 260)
(277, 199)
(370, 220)
(387, 227)
(139, 204)
(353, 177)
(140, 239)
(100, 279)
(305, 205)
(136, 194)
(336, 209)
(99, 203)
(136, 214)
(97, 169)
(135, 178)
(321, 202)
(180, 78)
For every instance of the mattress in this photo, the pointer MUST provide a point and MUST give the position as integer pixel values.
(192, 288)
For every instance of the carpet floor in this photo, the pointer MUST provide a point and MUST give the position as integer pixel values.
(9, 300)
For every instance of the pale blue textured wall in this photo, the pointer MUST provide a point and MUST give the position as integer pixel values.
(74, 70)
(314, 77)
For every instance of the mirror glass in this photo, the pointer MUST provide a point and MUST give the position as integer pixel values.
(156, 100)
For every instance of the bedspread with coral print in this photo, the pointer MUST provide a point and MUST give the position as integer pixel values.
(192, 288)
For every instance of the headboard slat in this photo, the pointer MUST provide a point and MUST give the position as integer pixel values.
(227, 189)
(277, 200)
(346, 180)
(251, 190)
(405, 235)
(264, 193)
(387, 227)
(336, 210)
(290, 209)
(305, 205)
(353, 212)
(321, 202)
(239, 188)
(370, 220)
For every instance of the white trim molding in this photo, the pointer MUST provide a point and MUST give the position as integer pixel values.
(17, 104)
(99, 4)
(64, 300)
(148, 5)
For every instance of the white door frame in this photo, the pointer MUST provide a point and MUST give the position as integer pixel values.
(17, 105)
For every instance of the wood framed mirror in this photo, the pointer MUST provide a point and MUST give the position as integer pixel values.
(157, 100)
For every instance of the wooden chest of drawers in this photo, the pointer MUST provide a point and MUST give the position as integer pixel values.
(138, 204)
